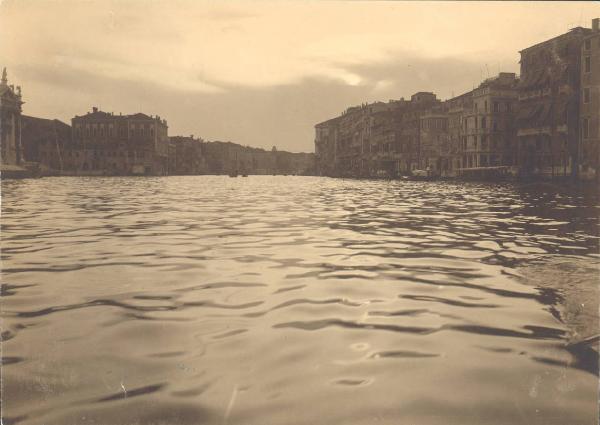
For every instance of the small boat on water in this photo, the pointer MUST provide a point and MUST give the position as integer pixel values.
(233, 174)
(424, 175)
(244, 175)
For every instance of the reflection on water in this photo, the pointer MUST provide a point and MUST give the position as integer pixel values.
(296, 300)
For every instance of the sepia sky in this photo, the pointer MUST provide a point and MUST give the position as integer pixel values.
(260, 73)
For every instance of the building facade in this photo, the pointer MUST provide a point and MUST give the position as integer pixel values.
(549, 101)
(10, 122)
(434, 142)
(490, 130)
(45, 141)
(373, 140)
(186, 156)
(457, 110)
(107, 144)
(589, 152)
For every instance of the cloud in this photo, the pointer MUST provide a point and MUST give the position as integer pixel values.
(260, 72)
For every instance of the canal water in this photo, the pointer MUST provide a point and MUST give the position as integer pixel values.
(297, 300)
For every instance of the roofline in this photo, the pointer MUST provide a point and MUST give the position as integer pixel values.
(556, 37)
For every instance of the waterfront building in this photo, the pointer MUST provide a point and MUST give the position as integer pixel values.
(10, 123)
(373, 140)
(490, 130)
(44, 141)
(457, 109)
(325, 146)
(548, 122)
(105, 143)
(410, 131)
(590, 104)
(186, 156)
(434, 142)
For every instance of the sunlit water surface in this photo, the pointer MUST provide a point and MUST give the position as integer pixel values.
(296, 300)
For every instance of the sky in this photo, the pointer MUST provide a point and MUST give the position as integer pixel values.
(261, 73)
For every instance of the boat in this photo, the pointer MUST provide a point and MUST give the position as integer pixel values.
(425, 175)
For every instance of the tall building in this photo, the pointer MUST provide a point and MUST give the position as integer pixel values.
(433, 141)
(490, 130)
(457, 109)
(590, 104)
(10, 122)
(549, 101)
(410, 155)
(105, 143)
(325, 146)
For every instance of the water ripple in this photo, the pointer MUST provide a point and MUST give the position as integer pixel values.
(269, 300)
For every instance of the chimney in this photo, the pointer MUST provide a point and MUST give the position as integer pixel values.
(596, 24)
(94, 109)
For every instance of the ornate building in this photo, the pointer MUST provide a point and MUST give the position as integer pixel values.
(10, 122)
(105, 143)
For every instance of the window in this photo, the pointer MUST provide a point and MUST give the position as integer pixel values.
(586, 95)
(485, 105)
(588, 44)
(483, 122)
(151, 132)
(585, 127)
(507, 106)
(495, 126)
(496, 107)
(587, 67)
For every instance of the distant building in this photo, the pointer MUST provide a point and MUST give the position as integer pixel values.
(186, 156)
(590, 104)
(370, 140)
(10, 122)
(549, 101)
(44, 141)
(105, 143)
